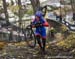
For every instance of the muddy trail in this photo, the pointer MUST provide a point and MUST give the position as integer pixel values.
(22, 51)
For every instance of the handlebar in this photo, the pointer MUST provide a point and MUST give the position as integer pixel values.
(39, 24)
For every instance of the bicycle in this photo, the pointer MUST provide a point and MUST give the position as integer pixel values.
(30, 35)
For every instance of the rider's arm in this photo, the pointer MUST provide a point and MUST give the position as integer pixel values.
(45, 23)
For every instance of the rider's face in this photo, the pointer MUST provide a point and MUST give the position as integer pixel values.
(37, 18)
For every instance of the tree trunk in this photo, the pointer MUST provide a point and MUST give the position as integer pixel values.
(5, 10)
(35, 4)
(73, 5)
(73, 8)
(19, 12)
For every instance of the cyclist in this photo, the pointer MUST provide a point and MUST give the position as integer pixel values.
(40, 23)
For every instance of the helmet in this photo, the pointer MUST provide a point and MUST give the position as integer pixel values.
(39, 14)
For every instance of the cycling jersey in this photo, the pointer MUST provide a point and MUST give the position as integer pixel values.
(40, 30)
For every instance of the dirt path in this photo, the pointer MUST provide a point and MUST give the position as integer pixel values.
(21, 51)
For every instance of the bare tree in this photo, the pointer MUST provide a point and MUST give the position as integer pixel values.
(5, 9)
(12, 3)
(19, 12)
(35, 4)
(73, 5)
(73, 8)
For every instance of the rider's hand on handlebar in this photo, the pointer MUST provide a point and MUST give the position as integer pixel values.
(38, 25)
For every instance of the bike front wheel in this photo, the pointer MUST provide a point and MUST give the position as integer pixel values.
(30, 38)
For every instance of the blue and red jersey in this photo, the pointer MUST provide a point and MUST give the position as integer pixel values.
(40, 30)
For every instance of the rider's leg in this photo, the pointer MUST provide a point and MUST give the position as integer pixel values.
(43, 34)
(44, 44)
(38, 40)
